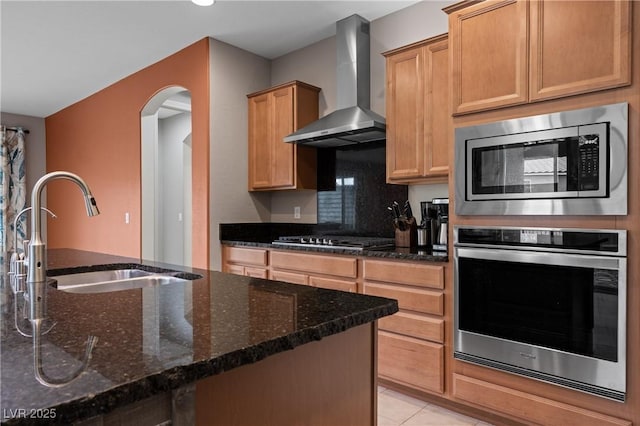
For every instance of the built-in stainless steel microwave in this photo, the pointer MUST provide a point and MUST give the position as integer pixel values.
(564, 163)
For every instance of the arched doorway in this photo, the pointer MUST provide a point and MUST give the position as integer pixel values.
(166, 177)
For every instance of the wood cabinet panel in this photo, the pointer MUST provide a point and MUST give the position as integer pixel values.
(413, 299)
(579, 47)
(417, 274)
(316, 264)
(509, 52)
(260, 142)
(330, 382)
(405, 114)
(438, 123)
(245, 261)
(282, 163)
(529, 408)
(290, 277)
(273, 114)
(245, 256)
(489, 55)
(333, 284)
(414, 325)
(256, 272)
(233, 269)
(411, 362)
(418, 116)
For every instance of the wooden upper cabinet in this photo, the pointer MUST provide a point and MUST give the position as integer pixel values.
(283, 153)
(579, 47)
(510, 52)
(405, 114)
(489, 55)
(438, 123)
(260, 130)
(417, 111)
(274, 114)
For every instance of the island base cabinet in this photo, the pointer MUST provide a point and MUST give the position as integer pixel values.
(411, 362)
(329, 382)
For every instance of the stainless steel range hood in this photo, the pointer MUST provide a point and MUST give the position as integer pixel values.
(353, 122)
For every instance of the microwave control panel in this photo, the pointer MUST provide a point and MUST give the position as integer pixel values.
(589, 151)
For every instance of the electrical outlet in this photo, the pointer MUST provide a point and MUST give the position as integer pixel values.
(126, 218)
(296, 212)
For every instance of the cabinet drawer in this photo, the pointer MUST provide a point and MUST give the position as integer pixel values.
(255, 272)
(405, 273)
(234, 269)
(246, 256)
(414, 325)
(289, 277)
(330, 265)
(413, 299)
(334, 284)
(411, 362)
(531, 408)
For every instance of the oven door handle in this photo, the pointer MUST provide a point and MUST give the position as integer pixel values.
(560, 259)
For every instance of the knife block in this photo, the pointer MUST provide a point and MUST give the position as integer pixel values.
(408, 237)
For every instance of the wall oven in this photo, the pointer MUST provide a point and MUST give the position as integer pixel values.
(545, 303)
(570, 162)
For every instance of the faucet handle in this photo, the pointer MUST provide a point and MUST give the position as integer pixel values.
(18, 272)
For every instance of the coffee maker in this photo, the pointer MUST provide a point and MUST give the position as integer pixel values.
(432, 232)
(441, 211)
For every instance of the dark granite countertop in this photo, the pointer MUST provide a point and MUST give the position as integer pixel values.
(262, 234)
(156, 339)
(392, 253)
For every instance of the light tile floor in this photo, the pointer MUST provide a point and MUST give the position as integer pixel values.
(395, 409)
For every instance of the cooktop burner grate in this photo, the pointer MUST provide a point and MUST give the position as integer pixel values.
(336, 241)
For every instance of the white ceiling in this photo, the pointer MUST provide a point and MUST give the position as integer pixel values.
(55, 53)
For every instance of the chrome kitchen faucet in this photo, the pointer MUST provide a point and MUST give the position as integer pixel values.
(36, 290)
(18, 271)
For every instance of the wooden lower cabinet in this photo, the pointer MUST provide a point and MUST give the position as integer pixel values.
(250, 271)
(414, 299)
(410, 342)
(318, 270)
(419, 274)
(290, 277)
(411, 362)
(334, 284)
(527, 407)
(413, 343)
(233, 269)
(416, 325)
(245, 261)
(322, 264)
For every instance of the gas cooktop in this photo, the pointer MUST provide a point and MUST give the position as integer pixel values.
(336, 241)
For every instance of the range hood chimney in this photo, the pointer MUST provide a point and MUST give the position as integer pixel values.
(353, 122)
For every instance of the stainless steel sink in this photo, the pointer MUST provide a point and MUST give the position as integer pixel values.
(115, 280)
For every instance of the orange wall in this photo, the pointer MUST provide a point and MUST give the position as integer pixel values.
(99, 139)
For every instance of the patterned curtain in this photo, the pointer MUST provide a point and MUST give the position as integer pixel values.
(12, 190)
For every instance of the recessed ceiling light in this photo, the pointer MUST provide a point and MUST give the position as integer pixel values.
(203, 2)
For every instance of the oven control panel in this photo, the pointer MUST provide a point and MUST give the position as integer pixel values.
(598, 240)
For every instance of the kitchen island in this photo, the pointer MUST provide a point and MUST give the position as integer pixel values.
(220, 349)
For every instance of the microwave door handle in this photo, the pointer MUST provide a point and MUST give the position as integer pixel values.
(543, 258)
